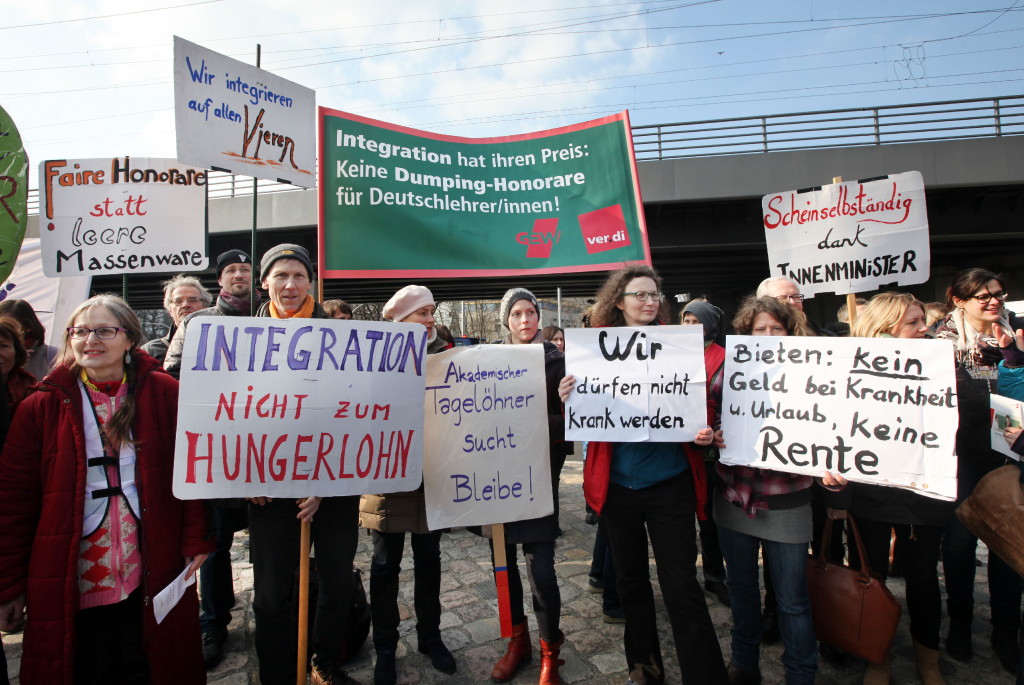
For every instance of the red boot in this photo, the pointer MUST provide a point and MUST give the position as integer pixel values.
(549, 661)
(519, 652)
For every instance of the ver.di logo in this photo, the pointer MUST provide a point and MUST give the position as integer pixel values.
(539, 242)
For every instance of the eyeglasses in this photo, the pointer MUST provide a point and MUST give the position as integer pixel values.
(182, 300)
(642, 295)
(984, 298)
(103, 332)
(791, 298)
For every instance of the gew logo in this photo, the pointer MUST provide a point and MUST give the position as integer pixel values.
(539, 242)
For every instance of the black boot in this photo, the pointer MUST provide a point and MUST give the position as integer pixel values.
(384, 670)
(958, 640)
(440, 657)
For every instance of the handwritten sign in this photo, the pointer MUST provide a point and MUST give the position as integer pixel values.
(874, 410)
(559, 201)
(642, 384)
(232, 116)
(291, 408)
(13, 193)
(849, 237)
(121, 215)
(487, 446)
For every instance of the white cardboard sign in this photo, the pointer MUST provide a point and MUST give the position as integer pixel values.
(874, 410)
(299, 407)
(487, 446)
(121, 215)
(1006, 413)
(849, 237)
(235, 117)
(636, 384)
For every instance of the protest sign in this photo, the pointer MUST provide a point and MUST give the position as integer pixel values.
(299, 407)
(486, 425)
(873, 410)
(559, 201)
(1006, 413)
(53, 299)
(121, 215)
(636, 384)
(13, 193)
(232, 116)
(849, 237)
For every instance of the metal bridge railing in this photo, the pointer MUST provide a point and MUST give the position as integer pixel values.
(923, 122)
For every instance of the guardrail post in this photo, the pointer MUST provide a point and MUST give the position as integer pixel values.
(661, 154)
(999, 121)
(764, 134)
(878, 133)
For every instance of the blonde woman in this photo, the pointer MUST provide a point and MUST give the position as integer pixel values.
(918, 521)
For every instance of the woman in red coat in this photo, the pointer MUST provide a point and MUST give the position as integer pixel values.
(89, 529)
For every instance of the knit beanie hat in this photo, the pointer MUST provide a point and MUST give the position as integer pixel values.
(231, 257)
(286, 251)
(511, 297)
(406, 301)
(709, 315)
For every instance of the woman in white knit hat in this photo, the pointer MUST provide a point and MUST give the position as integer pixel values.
(390, 517)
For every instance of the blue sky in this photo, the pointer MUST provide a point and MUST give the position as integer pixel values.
(94, 79)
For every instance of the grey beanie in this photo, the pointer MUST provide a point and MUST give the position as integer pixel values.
(286, 251)
(512, 296)
(710, 316)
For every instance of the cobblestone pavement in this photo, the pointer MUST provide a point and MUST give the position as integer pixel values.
(593, 649)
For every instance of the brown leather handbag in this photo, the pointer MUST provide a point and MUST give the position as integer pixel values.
(853, 609)
(994, 512)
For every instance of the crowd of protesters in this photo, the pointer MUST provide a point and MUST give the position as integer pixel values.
(90, 530)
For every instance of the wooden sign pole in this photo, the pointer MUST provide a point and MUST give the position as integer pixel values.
(501, 579)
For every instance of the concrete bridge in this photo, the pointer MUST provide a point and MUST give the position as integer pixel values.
(702, 184)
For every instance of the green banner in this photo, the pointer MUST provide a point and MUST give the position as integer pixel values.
(396, 202)
(13, 194)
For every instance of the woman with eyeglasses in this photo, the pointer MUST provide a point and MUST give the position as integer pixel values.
(651, 490)
(89, 528)
(978, 325)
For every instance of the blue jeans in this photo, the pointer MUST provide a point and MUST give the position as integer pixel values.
(788, 563)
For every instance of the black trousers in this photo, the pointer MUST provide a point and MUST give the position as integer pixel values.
(108, 644)
(921, 548)
(274, 546)
(540, 571)
(215, 580)
(710, 550)
(664, 513)
(384, 569)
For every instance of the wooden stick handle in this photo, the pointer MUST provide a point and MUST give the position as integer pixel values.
(300, 665)
(501, 579)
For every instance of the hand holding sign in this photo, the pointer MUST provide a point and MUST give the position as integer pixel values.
(635, 384)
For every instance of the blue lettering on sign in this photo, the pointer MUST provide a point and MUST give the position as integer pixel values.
(368, 351)
(467, 488)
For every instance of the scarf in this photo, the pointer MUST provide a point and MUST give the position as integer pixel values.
(241, 304)
(303, 312)
(978, 353)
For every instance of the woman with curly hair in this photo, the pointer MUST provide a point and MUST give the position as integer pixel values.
(651, 491)
(757, 508)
